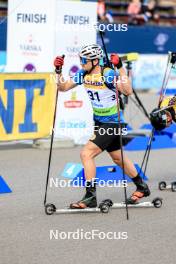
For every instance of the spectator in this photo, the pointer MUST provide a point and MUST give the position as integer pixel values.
(140, 14)
(101, 10)
(134, 8)
(109, 17)
(136, 17)
(102, 14)
(150, 11)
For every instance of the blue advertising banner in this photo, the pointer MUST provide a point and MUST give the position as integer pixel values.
(142, 39)
(2, 61)
(3, 33)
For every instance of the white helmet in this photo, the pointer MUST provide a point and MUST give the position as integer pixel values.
(91, 52)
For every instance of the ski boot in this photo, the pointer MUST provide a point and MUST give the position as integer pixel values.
(141, 191)
(89, 200)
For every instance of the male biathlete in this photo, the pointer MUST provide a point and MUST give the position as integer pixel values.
(165, 114)
(105, 111)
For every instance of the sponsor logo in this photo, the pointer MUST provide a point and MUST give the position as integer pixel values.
(160, 41)
(31, 18)
(72, 124)
(75, 49)
(73, 70)
(72, 49)
(30, 47)
(29, 68)
(73, 102)
(93, 83)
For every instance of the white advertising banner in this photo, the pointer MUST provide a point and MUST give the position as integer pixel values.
(74, 116)
(149, 72)
(74, 28)
(31, 35)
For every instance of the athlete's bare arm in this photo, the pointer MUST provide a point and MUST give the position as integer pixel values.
(64, 85)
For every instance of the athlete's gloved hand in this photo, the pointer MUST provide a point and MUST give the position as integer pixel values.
(116, 60)
(58, 63)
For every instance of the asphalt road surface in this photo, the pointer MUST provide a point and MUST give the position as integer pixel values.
(26, 232)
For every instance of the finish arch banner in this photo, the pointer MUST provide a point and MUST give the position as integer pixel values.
(26, 106)
(31, 35)
(75, 28)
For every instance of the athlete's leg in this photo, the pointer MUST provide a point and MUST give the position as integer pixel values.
(88, 153)
(129, 168)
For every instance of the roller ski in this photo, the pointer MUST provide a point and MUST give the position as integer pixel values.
(155, 203)
(134, 200)
(163, 186)
(88, 204)
(103, 207)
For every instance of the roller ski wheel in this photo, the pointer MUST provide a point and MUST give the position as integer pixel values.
(50, 209)
(162, 185)
(173, 186)
(105, 205)
(157, 202)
